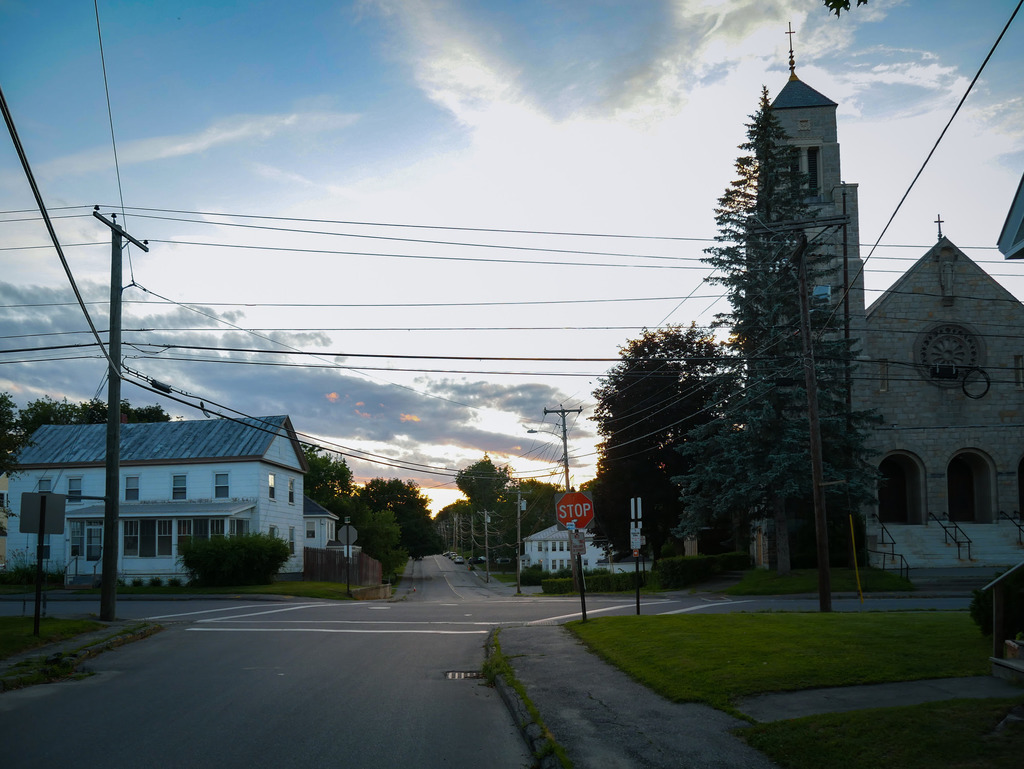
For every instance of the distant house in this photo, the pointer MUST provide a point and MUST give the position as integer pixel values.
(550, 548)
(187, 479)
(320, 524)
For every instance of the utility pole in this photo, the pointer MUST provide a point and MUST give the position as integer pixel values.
(565, 437)
(817, 469)
(111, 509)
(520, 507)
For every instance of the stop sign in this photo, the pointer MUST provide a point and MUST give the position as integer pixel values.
(575, 507)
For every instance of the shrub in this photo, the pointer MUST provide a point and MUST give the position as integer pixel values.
(251, 559)
(174, 582)
(1013, 611)
(155, 582)
(531, 575)
(674, 573)
(138, 582)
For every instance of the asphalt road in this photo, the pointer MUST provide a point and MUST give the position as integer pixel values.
(286, 682)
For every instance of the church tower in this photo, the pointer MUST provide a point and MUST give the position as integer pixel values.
(809, 119)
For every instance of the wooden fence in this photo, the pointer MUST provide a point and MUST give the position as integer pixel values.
(323, 565)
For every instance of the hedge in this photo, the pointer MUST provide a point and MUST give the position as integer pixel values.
(251, 559)
(683, 571)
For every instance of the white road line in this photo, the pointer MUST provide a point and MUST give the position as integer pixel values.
(204, 611)
(547, 620)
(362, 622)
(330, 630)
(263, 613)
(708, 605)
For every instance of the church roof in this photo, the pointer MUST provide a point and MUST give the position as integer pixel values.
(1011, 239)
(797, 94)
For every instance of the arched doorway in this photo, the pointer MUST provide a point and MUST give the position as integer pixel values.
(969, 488)
(899, 490)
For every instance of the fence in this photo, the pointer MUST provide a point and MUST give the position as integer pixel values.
(323, 565)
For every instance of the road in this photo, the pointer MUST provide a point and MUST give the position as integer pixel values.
(299, 683)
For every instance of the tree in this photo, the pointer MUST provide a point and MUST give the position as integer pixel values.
(13, 437)
(411, 510)
(490, 490)
(838, 6)
(661, 388)
(753, 462)
(47, 411)
(329, 480)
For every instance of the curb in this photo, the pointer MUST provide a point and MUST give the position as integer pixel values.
(63, 664)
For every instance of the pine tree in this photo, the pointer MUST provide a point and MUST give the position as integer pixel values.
(754, 461)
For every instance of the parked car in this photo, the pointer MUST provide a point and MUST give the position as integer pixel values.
(459, 559)
(503, 560)
(477, 559)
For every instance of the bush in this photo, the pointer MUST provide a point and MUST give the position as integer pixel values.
(155, 582)
(138, 582)
(251, 559)
(174, 582)
(981, 606)
(531, 575)
(675, 573)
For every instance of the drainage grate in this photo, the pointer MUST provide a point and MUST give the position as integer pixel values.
(455, 675)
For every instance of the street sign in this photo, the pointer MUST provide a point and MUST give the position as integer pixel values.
(574, 507)
(347, 534)
(635, 539)
(32, 505)
(577, 542)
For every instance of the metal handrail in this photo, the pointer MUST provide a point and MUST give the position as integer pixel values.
(1016, 522)
(891, 553)
(951, 530)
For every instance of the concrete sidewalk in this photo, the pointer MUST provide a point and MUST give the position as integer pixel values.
(604, 718)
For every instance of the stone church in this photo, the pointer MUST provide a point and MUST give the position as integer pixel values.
(941, 360)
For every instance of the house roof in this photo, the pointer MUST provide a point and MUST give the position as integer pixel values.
(163, 509)
(553, 532)
(1011, 239)
(315, 509)
(160, 442)
(797, 94)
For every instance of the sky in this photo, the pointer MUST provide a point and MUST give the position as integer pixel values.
(414, 225)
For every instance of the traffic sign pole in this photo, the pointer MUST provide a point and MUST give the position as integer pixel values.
(636, 540)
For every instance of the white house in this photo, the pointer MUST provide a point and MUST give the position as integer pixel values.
(550, 548)
(320, 523)
(198, 479)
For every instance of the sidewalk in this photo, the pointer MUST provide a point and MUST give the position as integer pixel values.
(602, 717)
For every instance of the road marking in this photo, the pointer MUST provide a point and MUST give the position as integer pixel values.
(700, 607)
(548, 620)
(368, 622)
(331, 630)
(263, 613)
(204, 611)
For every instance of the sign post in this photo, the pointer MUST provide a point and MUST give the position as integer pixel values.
(36, 519)
(636, 541)
(574, 511)
(351, 535)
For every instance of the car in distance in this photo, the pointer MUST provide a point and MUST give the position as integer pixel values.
(459, 559)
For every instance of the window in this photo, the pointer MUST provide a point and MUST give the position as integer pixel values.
(883, 376)
(131, 488)
(1018, 371)
(220, 486)
(131, 538)
(184, 529)
(291, 540)
(272, 490)
(46, 546)
(77, 529)
(813, 181)
(239, 526)
(273, 531)
(291, 491)
(216, 527)
(163, 537)
(74, 490)
(310, 529)
(45, 485)
(179, 490)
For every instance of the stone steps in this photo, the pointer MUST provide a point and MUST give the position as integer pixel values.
(992, 545)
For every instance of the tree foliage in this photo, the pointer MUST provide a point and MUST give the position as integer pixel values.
(838, 6)
(662, 387)
(329, 480)
(47, 411)
(411, 510)
(12, 437)
(754, 461)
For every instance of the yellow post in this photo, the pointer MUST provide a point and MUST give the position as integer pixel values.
(856, 569)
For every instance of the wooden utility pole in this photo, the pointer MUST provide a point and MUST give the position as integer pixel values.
(111, 509)
(565, 437)
(817, 467)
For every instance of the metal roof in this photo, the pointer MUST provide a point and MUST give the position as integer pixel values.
(155, 442)
(179, 509)
(797, 93)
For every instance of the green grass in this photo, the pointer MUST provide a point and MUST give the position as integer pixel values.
(717, 658)
(765, 582)
(16, 632)
(328, 590)
(952, 735)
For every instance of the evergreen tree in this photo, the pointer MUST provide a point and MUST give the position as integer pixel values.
(645, 405)
(754, 462)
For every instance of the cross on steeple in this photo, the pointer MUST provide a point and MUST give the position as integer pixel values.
(792, 62)
(938, 221)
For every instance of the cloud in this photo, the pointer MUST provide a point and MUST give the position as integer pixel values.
(233, 130)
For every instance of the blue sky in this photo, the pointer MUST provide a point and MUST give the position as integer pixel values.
(602, 117)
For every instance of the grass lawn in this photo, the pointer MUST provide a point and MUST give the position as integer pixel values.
(717, 658)
(765, 582)
(953, 735)
(330, 590)
(16, 632)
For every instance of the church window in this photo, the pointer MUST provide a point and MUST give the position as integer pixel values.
(804, 124)
(813, 180)
(1018, 371)
(883, 376)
